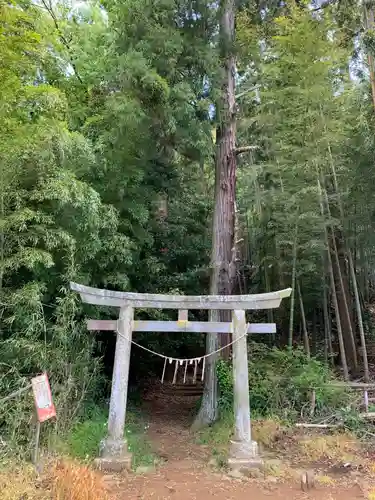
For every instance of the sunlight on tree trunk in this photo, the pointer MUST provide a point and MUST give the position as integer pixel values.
(223, 267)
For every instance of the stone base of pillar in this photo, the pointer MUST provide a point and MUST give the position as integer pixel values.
(114, 464)
(243, 455)
(114, 456)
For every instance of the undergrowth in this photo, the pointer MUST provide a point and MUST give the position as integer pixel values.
(341, 447)
(66, 480)
(19, 482)
(281, 382)
(71, 477)
(265, 431)
(217, 436)
(58, 345)
(73, 481)
(82, 442)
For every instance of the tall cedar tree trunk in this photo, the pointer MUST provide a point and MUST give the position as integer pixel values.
(223, 266)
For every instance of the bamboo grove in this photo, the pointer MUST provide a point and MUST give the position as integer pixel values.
(111, 118)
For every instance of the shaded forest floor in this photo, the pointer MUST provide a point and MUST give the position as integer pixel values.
(187, 471)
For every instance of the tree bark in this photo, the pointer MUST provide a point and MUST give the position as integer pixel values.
(293, 298)
(306, 340)
(344, 299)
(352, 271)
(223, 265)
(333, 289)
(369, 26)
(328, 350)
(335, 239)
(360, 320)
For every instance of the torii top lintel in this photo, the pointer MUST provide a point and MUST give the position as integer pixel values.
(101, 297)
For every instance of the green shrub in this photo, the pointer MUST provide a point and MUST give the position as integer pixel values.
(281, 382)
(62, 349)
(83, 440)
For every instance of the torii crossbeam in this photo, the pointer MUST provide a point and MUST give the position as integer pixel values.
(114, 454)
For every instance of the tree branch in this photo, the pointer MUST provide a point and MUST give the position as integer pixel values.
(245, 149)
(252, 89)
(64, 41)
(324, 5)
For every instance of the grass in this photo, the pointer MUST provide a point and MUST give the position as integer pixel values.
(20, 482)
(343, 447)
(325, 480)
(273, 434)
(217, 437)
(83, 440)
(72, 478)
(264, 431)
(73, 481)
(66, 480)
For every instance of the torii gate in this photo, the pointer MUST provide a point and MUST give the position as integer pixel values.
(114, 454)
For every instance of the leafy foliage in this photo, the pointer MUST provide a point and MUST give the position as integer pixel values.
(106, 178)
(93, 136)
(281, 383)
(82, 441)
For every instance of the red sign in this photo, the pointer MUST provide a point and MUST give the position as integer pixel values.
(43, 398)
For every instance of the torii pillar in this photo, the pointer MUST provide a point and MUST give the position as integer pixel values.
(113, 450)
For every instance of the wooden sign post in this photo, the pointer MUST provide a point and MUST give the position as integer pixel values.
(45, 409)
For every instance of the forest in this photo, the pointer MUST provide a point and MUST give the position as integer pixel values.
(185, 147)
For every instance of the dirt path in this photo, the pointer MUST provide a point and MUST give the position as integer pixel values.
(186, 474)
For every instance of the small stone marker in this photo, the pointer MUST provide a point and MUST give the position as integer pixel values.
(307, 480)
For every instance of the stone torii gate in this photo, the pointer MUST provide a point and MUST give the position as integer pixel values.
(114, 454)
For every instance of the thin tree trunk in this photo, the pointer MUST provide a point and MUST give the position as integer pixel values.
(369, 26)
(360, 320)
(304, 325)
(263, 260)
(223, 268)
(313, 333)
(270, 315)
(236, 257)
(337, 313)
(342, 267)
(349, 334)
(333, 287)
(354, 280)
(293, 298)
(327, 331)
(327, 327)
(365, 274)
